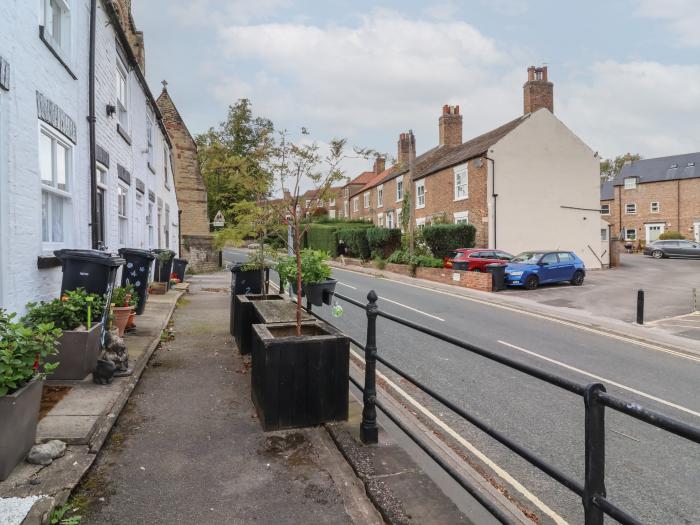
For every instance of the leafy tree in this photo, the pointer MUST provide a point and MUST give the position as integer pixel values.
(610, 168)
(232, 158)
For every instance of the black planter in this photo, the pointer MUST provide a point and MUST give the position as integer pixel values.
(19, 413)
(299, 381)
(163, 269)
(248, 282)
(316, 293)
(244, 317)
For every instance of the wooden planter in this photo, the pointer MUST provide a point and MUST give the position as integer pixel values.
(299, 381)
(244, 317)
(19, 413)
(77, 354)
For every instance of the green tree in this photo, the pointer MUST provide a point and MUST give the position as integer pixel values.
(610, 168)
(233, 157)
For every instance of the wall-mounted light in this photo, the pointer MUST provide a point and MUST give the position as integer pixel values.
(111, 110)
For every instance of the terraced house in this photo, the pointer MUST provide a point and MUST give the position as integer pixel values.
(528, 184)
(71, 178)
(652, 196)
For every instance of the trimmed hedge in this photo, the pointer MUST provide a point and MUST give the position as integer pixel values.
(402, 257)
(671, 235)
(383, 241)
(445, 238)
(323, 237)
(356, 242)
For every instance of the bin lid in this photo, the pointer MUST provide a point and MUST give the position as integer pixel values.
(139, 252)
(95, 256)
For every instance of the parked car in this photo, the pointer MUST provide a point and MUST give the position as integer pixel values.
(530, 269)
(675, 248)
(475, 259)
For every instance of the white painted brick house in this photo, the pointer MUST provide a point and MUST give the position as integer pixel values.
(45, 199)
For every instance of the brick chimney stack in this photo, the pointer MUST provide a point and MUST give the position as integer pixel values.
(379, 165)
(404, 146)
(538, 92)
(450, 124)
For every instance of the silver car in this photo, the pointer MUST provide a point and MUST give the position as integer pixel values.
(672, 248)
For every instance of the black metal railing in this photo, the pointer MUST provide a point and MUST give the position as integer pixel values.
(595, 398)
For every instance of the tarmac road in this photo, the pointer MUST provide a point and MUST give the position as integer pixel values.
(650, 473)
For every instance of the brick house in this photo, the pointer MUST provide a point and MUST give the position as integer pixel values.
(331, 201)
(528, 184)
(652, 196)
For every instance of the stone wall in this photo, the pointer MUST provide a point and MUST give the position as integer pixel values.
(475, 280)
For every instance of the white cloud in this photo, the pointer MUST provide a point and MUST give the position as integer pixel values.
(683, 18)
(212, 12)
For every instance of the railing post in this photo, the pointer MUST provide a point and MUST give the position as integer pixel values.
(369, 432)
(594, 484)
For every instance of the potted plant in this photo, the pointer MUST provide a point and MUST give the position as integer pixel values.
(133, 302)
(300, 370)
(23, 351)
(164, 266)
(316, 283)
(77, 314)
(121, 308)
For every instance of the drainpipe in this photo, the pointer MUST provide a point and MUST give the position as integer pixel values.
(678, 204)
(495, 196)
(179, 233)
(92, 120)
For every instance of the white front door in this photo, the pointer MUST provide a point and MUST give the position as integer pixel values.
(654, 230)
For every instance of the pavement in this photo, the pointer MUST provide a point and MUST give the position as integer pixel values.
(82, 418)
(188, 448)
(650, 473)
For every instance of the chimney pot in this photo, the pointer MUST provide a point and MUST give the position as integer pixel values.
(538, 92)
(450, 125)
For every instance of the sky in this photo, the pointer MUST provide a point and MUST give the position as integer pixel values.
(626, 73)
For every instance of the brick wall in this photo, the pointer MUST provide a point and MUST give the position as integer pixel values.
(440, 198)
(474, 280)
(679, 207)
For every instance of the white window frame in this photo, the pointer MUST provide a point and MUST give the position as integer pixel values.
(604, 234)
(605, 209)
(149, 222)
(658, 207)
(365, 199)
(346, 192)
(390, 219)
(307, 204)
(331, 214)
(166, 167)
(380, 220)
(399, 189)
(149, 142)
(398, 220)
(627, 237)
(380, 196)
(627, 208)
(461, 187)
(420, 223)
(331, 202)
(122, 76)
(461, 217)
(630, 183)
(420, 194)
(123, 215)
(54, 193)
(346, 209)
(61, 42)
(356, 204)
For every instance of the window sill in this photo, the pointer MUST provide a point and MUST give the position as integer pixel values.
(46, 39)
(44, 262)
(461, 198)
(153, 170)
(123, 134)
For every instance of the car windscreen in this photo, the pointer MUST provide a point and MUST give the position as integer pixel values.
(527, 257)
(454, 255)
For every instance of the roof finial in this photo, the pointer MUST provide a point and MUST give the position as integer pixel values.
(165, 85)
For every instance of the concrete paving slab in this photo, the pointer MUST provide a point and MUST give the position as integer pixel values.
(74, 430)
(88, 399)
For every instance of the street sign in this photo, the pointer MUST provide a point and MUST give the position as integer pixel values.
(218, 220)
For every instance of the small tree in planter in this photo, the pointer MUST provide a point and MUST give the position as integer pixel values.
(317, 285)
(23, 353)
(77, 314)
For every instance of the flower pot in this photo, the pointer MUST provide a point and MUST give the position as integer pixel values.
(320, 293)
(299, 381)
(121, 318)
(78, 352)
(243, 318)
(131, 321)
(19, 413)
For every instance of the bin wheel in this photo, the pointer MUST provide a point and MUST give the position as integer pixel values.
(532, 282)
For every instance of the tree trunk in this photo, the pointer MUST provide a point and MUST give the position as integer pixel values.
(297, 254)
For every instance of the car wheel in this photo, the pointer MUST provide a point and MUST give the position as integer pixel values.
(532, 282)
(577, 279)
(657, 254)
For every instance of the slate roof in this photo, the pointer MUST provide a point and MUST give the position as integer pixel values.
(687, 166)
(606, 191)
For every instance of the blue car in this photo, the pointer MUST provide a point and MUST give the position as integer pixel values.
(530, 269)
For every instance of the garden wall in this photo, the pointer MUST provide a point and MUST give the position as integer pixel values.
(475, 280)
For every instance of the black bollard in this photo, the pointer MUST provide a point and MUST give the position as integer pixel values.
(640, 306)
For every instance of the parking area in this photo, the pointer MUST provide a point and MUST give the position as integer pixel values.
(667, 283)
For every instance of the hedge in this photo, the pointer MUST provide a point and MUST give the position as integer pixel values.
(671, 235)
(383, 241)
(402, 257)
(356, 241)
(323, 237)
(445, 238)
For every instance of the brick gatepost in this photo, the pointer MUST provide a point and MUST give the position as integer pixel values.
(197, 243)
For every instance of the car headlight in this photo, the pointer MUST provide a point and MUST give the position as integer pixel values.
(515, 274)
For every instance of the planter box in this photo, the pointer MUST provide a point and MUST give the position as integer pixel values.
(19, 413)
(299, 381)
(247, 282)
(77, 354)
(244, 317)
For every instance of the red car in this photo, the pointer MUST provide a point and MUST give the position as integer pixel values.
(475, 259)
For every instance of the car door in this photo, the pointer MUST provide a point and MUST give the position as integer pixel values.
(687, 248)
(476, 261)
(486, 259)
(549, 268)
(671, 248)
(566, 266)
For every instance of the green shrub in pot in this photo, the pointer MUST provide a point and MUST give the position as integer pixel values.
(67, 312)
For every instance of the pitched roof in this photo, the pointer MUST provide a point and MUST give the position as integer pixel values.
(362, 178)
(674, 167)
(606, 191)
(376, 180)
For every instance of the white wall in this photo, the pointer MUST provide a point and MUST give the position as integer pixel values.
(540, 168)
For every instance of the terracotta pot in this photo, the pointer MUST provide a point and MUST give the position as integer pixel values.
(132, 316)
(121, 318)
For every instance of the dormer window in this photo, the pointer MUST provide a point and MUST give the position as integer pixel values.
(630, 183)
